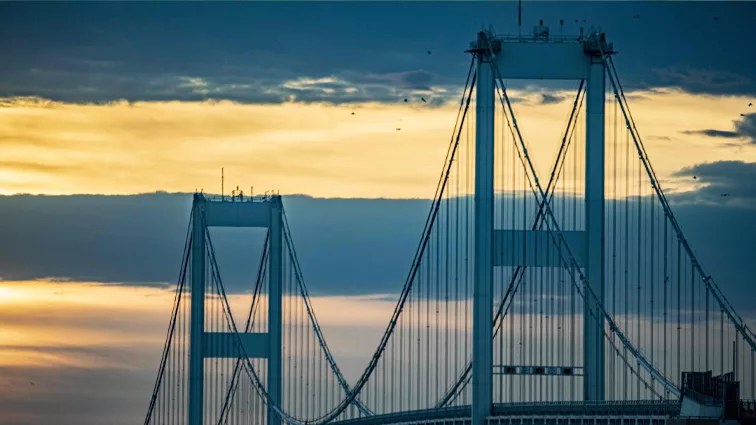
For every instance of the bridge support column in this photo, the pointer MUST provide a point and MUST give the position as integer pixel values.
(275, 294)
(593, 319)
(197, 322)
(482, 343)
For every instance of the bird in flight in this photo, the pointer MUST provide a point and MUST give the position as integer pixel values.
(725, 194)
(423, 99)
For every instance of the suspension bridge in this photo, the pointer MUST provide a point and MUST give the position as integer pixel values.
(570, 297)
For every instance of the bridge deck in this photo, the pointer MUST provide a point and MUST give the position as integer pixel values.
(575, 412)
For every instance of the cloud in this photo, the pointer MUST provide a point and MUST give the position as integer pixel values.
(249, 58)
(744, 129)
(412, 80)
(77, 395)
(735, 179)
(76, 366)
(102, 341)
(549, 99)
(100, 238)
(352, 89)
(696, 80)
(114, 377)
(714, 133)
(137, 240)
(197, 83)
(417, 80)
(255, 85)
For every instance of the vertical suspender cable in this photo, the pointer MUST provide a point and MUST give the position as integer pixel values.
(172, 324)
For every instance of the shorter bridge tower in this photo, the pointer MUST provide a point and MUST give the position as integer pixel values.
(207, 213)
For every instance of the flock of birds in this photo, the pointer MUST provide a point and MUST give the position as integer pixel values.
(406, 100)
(749, 105)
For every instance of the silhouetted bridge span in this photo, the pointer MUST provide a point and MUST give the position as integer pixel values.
(559, 298)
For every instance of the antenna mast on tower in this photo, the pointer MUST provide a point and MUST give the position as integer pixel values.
(519, 16)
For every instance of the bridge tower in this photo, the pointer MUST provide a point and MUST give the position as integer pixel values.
(213, 213)
(537, 56)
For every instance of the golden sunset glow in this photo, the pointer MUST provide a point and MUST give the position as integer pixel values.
(55, 324)
(258, 211)
(315, 149)
(62, 339)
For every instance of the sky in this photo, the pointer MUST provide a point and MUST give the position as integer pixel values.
(104, 104)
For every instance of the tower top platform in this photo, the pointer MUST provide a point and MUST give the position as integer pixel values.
(594, 42)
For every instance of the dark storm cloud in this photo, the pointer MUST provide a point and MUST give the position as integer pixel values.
(744, 129)
(137, 240)
(345, 246)
(735, 179)
(127, 52)
(248, 52)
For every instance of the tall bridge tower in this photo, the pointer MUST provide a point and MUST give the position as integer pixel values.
(538, 56)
